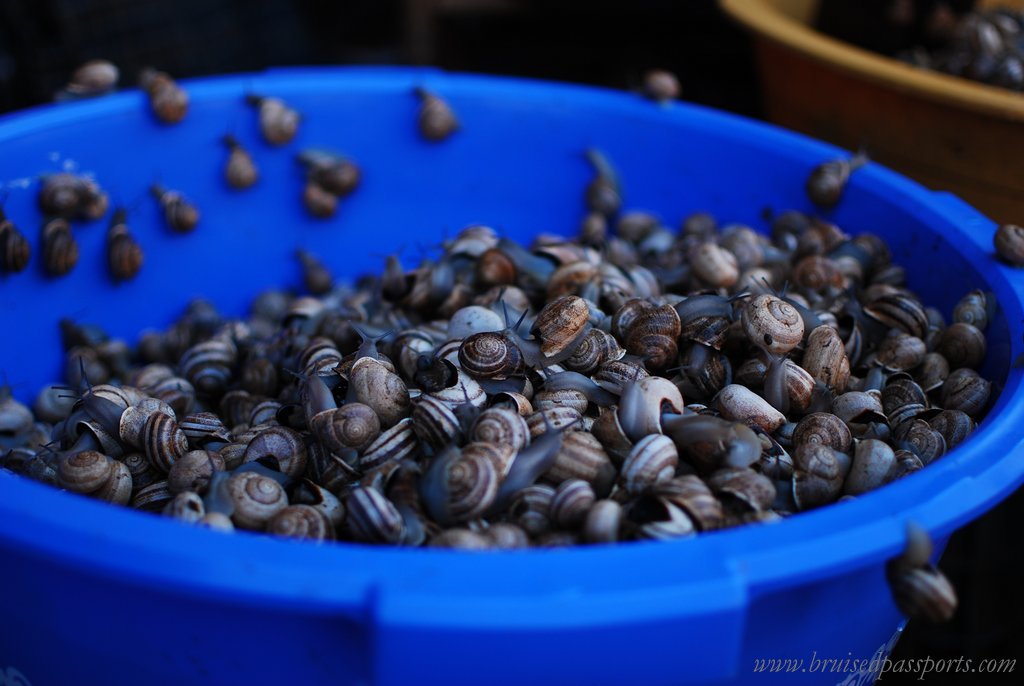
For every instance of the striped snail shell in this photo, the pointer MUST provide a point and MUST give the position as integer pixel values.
(471, 486)
(628, 315)
(186, 506)
(603, 523)
(964, 390)
(307, 492)
(304, 522)
(458, 538)
(60, 250)
(652, 461)
(972, 309)
(572, 501)
(284, 446)
(394, 444)
(181, 215)
(963, 345)
(278, 122)
(583, 457)
(920, 438)
(132, 423)
(152, 498)
(163, 441)
(900, 352)
(899, 310)
(743, 487)
(143, 473)
(265, 413)
(714, 265)
(954, 426)
(922, 592)
(256, 499)
(608, 430)
(545, 399)
(434, 422)
(501, 426)
(595, 348)
(167, 99)
(817, 476)
(556, 418)
(353, 425)
(436, 120)
(614, 375)
(501, 454)
(384, 391)
(124, 254)
(491, 355)
(823, 428)
(208, 365)
(85, 472)
(319, 356)
(772, 323)
(692, 495)
(372, 518)
(333, 472)
(825, 358)
(531, 508)
(932, 373)
(654, 517)
(202, 428)
(653, 337)
(176, 392)
(193, 471)
(817, 273)
(560, 324)
(14, 247)
(507, 536)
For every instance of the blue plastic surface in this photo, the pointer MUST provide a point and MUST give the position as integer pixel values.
(95, 594)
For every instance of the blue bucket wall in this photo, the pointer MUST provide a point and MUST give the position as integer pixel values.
(124, 597)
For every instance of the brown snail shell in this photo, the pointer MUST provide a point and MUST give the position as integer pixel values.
(436, 119)
(920, 438)
(858, 407)
(614, 375)
(608, 430)
(282, 445)
(193, 471)
(95, 77)
(967, 392)
(582, 457)
(572, 501)
(963, 345)
(744, 487)
(817, 476)
(818, 273)
(472, 487)
(208, 365)
(972, 309)
(501, 454)
(901, 352)
(595, 348)
(933, 372)
(124, 254)
(167, 99)
(382, 390)
(714, 265)
(507, 536)
(739, 403)
(653, 337)
(240, 171)
(651, 461)
(954, 426)
(459, 538)
(152, 498)
(491, 355)
(560, 324)
(823, 428)
(825, 358)
(163, 441)
(394, 444)
(570, 279)
(531, 508)
(661, 86)
(900, 311)
(186, 506)
(603, 523)
(352, 425)
(84, 472)
(872, 466)
(826, 183)
(14, 248)
(692, 495)
(372, 517)
(1009, 244)
(301, 521)
(318, 201)
(435, 422)
(60, 250)
(503, 426)
(278, 122)
(256, 499)
(772, 323)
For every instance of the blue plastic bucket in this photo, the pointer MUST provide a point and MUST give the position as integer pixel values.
(91, 593)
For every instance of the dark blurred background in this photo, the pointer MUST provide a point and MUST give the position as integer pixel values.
(587, 41)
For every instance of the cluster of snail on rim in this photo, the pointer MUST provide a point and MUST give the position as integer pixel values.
(650, 384)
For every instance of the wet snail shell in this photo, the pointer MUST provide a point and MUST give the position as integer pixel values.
(966, 391)
(560, 325)
(491, 355)
(315, 276)
(823, 428)
(281, 446)
(899, 311)
(393, 445)
(825, 358)
(353, 425)
(372, 517)
(651, 461)
(595, 348)
(921, 439)
(436, 119)
(743, 487)
(571, 503)
(60, 250)
(256, 499)
(304, 522)
(772, 323)
(435, 422)
(653, 337)
(163, 441)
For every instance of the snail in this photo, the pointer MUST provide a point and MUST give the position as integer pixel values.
(72, 196)
(278, 122)
(168, 101)
(240, 172)
(1009, 244)
(919, 589)
(827, 182)
(315, 276)
(92, 78)
(124, 254)
(319, 201)
(772, 323)
(661, 86)
(436, 119)
(335, 174)
(604, 192)
(181, 215)
(14, 247)
(60, 249)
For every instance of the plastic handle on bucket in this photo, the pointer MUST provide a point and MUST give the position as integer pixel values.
(631, 637)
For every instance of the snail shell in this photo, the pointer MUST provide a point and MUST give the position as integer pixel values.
(963, 345)
(572, 501)
(603, 522)
(873, 463)
(531, 508)
(555, 418)
(436, 120)
(84, 472)
(152, 498)
(954, 426)
(278, 122)
(352, 425)
(900, 352)
(627, 315)
(256, 499)
(372, 517)
(739, 403)
(216, 521)
(932, 373)
(653, 336)
(142, 472)
(501, 454)
(967, 392)
(124, 254)
(181, 215)
(435, 422)
(595, 348)
(901, 311)
(608, 430)
(507, 536)
(582, 457)
(644, 402)
(464, 390)
(922, 592)
(772, 323)
(823, 428)
(858, 407)
(972, 309)
(921, 439)
(326, 503)
(614, 375)
(714, 265)
(318, 201)
(491, 355)
(193, 471)
(92, 78)
(744, 487)
(825, 358)
(393, 445)
(384, 391)
(167, 99)
(660, 86)
(459, 538)
(240, 171)
(826, 183)
(564, 397)
(817, 476)
(14, 248)
(692, 495)
(132, 423)
(284, 446)
(571, 279)
(501, 426)
(208, 365)
(652, 461)
(186, 507)
(654, 517)
(163, 441)
(818, 274)
(301, 521)
(472, 487)
(473, 319)
(561, 324)
(60, 250)
(1009, 244)
(333, 472)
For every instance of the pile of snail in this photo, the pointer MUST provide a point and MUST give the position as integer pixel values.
(633, 382)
